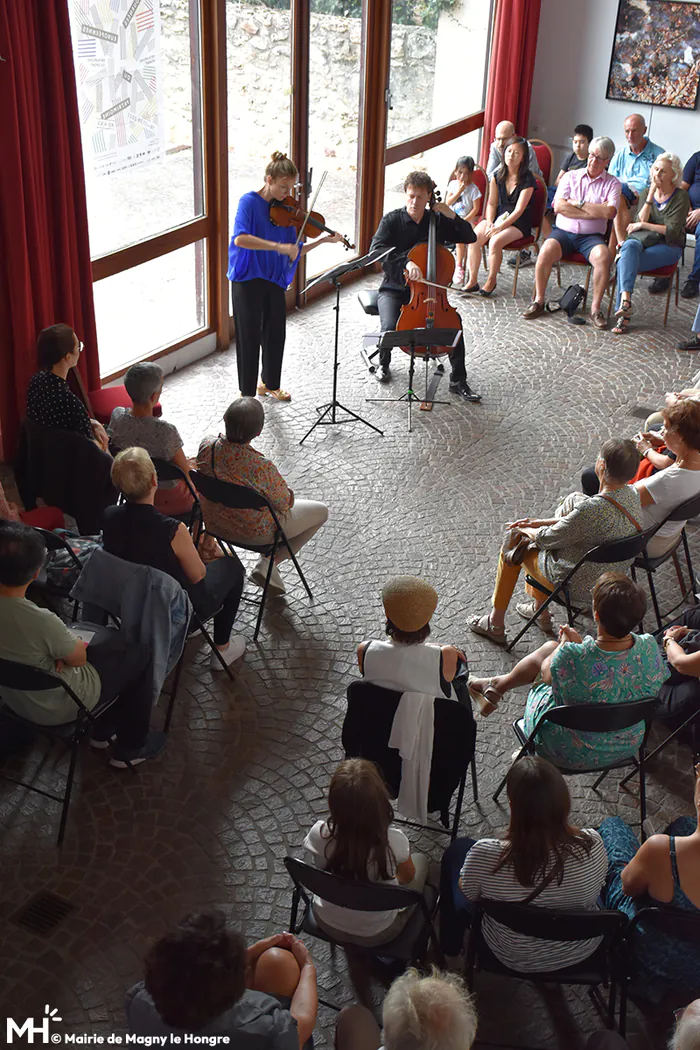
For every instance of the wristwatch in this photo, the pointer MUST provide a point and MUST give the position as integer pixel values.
(581, 204)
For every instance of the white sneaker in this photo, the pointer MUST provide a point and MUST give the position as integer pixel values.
(259, 575)
(233, 651)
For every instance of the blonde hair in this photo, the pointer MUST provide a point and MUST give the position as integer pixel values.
(132, 473)
(428, 1013)
(675, 163)
(280, 167)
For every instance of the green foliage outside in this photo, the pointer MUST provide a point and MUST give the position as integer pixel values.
(405, 12)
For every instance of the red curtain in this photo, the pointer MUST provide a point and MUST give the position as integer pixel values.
(45, 271)
(511, 68)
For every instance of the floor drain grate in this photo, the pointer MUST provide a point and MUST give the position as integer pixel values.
(42, 913)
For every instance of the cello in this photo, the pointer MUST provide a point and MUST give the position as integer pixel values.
(428, 306)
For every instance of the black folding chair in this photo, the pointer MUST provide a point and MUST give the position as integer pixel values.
(595, 718)
(410, 946)
(70, 734)
(683, 512)
(240, 497)
(169, 471)
(683, 926)
(624, 550)
(46, 586)
(552, 924)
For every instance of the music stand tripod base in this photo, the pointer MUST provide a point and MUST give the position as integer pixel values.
(413, 338)
(328, 413)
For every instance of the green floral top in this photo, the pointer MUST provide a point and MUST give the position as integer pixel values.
(582, 673)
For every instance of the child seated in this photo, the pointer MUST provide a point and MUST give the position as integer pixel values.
(464, 197)
(578, 158)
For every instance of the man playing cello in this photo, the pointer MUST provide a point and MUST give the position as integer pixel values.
(402, 230)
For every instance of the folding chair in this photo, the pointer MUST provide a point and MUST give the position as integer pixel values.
(683, 926)
(410, 946)
(169, 471)
(240, 497)
(366, 731)
(552, 924)
(70, 734)
(595, 718)
(624, 550)
(54, 542)
(690, 508)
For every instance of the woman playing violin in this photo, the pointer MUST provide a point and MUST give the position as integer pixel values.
(262, 261)
(402, 230)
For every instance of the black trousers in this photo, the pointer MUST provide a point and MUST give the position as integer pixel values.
(260, 314)
(390, 303)
(680, 693)
(123, 668)
(219, 595)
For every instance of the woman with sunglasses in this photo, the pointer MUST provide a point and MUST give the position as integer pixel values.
(663, 872)
(50, 401)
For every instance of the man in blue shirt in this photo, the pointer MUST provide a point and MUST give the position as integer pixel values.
(691, 183)
(632, 166)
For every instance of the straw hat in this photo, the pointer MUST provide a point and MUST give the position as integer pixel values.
(409, 602)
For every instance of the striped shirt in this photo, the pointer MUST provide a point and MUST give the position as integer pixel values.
(584, 876)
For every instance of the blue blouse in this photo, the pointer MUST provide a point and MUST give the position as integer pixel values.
(253, 217)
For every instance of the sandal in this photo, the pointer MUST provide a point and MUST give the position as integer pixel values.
(279, 395)
(625, 308)
(622, 326)
(527, 611)
(486, 699)
(481, 625)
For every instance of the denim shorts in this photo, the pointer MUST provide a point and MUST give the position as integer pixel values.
(584, 243)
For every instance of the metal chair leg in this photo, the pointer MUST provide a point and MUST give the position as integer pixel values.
(655, 600)
(210, 642)
(515, 275)
(173, 692)
(68, 792)
(600, 779)
(689, 563)
(475, 786)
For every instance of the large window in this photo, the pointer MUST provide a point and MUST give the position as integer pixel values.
(439, 162)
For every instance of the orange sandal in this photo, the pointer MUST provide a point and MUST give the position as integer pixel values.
(279, 395)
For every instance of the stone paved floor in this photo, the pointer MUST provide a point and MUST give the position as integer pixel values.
(247, 766)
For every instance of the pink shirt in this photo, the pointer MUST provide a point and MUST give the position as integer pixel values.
(577, 186)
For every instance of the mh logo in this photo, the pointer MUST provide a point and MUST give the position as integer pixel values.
(30, 1028)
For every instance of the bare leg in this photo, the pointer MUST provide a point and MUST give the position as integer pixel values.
(474, 254)
(620, 225)
(600, 261)
(356, 1029)
(497, 243)
(524, 673)
(549, 255)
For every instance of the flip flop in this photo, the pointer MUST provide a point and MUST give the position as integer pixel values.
(481, 625)
(486, 700)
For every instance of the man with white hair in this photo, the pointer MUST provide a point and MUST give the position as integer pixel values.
(687, 1033)
(419, 1013)
(584, 203)
(632, 166)
(504, 135)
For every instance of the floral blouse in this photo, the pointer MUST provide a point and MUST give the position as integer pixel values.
(242, 465)
(582, 673)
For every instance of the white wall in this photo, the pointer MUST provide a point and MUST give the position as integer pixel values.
(571, 77)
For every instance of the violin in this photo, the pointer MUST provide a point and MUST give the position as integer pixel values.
(428, 306)
(290, 213)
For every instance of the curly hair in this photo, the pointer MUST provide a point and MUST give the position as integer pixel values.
(420, 179)
(196, 971)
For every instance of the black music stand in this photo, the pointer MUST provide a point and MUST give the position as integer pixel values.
(328, 412)
(413, 338)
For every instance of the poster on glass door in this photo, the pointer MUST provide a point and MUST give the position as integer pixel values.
(116, 48)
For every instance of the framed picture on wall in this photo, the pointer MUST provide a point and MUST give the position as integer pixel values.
(656, 53)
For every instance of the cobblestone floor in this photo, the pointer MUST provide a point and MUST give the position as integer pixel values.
(247, 766)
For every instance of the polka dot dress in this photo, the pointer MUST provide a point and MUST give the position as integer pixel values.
(51, 403)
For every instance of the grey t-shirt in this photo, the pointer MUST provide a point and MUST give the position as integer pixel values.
(256, 1022)
(160, 439)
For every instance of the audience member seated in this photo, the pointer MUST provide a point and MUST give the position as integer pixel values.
(232, 458)
(581, 139)
(407, 660)
(50, 401)
(137, 427)
(359, 842)
(137, 532)
(433, 1012)
(509, 214)
(106, 667)
(691, 183)
(615, 667)
(503, 136)
(664, 870)
(657, 236)
(549, 548)
(584, 203)
(201, 979)
(40, 517)
(542, 860)
(693, 341)
(464, 197)
(632, 166)
(679, 696)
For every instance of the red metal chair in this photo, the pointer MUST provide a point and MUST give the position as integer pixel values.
(481, 180)
(539, 197)
(663, 271)
(545, 158)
